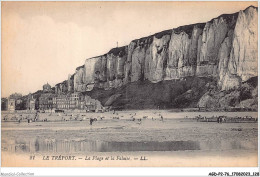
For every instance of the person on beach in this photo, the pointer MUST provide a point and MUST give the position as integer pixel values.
(36, 117)
(139, 121)
(161, 118)
(220, 119)
(91, 121)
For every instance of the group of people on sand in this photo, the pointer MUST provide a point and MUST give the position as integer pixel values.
(222, 119)
(28, 118)
(132, 116)
(145, 117)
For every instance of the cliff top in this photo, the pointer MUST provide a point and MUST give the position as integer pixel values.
(227, 17)
(78, 68)
(251, 7)
(120, 51)
(188, 28)
(72, 76)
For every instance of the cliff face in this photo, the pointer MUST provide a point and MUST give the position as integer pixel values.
(224, 48)
(242, 63)
(204, 64)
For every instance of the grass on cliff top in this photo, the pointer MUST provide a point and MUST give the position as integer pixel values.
(118, 51)
(188, 28)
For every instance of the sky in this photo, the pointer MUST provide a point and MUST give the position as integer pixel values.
(45, 41)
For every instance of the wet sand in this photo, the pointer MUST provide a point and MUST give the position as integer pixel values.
(171, 142)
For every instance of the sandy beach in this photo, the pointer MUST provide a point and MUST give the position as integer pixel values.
(178, 140)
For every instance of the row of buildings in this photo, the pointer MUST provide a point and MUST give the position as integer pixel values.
(53, 100)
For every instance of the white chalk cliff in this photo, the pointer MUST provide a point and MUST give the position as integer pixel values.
(224, 48)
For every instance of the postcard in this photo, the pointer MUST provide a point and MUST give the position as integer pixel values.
(129, 84)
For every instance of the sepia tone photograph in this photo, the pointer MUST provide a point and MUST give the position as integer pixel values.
(129, 84)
